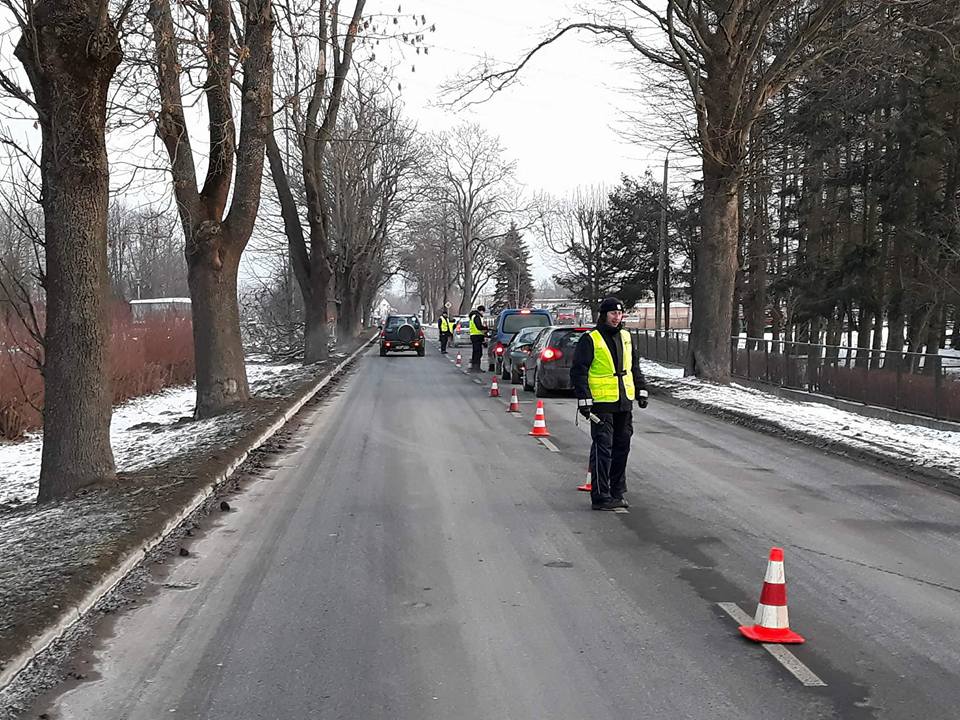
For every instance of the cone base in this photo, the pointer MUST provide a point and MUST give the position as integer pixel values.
(514, 410)
(784, 636)
(494, 393)
(586, 487)
(540, 432)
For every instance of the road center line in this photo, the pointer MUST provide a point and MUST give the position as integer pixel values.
(786, 658)
(549, 445)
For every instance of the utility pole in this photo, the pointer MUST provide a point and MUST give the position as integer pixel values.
(662, 255)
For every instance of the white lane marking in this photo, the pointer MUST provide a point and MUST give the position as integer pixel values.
(549, 445)
(786, 658)
(478, 381)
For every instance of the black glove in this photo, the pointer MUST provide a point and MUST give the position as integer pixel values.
(642, 399)
(585, 407)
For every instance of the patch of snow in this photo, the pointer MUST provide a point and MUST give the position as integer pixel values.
(142, 430)
(920, 446)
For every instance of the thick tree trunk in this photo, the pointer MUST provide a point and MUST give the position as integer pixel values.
(709, 356)
(218, 348)
(70, 67)
(863, 337)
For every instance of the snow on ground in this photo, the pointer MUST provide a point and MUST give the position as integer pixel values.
(920, 446)
(142, 430)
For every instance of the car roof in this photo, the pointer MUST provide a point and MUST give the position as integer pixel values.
(524, 311)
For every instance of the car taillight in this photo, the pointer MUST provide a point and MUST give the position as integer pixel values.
(498, 349)
(382, 333)
(387, 343)
(524, 312)
(421, 332)
(549, 354)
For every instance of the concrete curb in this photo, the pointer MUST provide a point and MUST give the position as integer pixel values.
(931, 477)
(40, 643)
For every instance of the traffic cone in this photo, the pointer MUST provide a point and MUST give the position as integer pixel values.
(459, 360)
(494, 388)
(514, 402)
(772, 623)
(588, 485)
(539, 423)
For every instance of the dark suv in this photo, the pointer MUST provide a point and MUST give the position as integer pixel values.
(401, 332)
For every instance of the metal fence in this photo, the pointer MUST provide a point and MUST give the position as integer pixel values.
(924, 384)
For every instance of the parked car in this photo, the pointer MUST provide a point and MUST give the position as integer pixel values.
(401, 332)
(517, 354)
(461, 330)
(548, 368)
(508, 324)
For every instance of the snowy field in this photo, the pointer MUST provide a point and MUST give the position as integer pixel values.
(142, 430)
(920, 446)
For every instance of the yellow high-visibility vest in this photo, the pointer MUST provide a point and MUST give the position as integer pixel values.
(446, 325)
(474, 330)
(602, 378)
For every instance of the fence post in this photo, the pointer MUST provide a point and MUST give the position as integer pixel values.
(766, 360)
(896, 402)
(733, 354)
(749, 376)
(937, 384)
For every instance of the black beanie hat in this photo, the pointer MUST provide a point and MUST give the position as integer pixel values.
(611, 303)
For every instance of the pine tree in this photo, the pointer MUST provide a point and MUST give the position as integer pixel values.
(514, 282)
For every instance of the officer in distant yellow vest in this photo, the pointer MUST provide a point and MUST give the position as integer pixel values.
(445, 325)
(478, 333)
(606, 379)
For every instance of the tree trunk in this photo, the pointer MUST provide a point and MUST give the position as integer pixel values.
(316, 335)
(70, 67)
(709, 355)
(218, 348)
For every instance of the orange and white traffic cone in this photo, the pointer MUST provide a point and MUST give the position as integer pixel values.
(514, 402)
(772, 623)
(494, 388)
(459, 360)
(539, 422)
(588, 485)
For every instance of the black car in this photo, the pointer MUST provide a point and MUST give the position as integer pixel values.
(548, 367)
(517, 353)
(401, 332)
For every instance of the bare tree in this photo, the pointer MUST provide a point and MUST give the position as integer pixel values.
(371, 170)
(475, 180)
(725, 52)
(70, 51)
(216, 233)
(321, 49)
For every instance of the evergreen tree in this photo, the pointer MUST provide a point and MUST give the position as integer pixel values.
(514, 282)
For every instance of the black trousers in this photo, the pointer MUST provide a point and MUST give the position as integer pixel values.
(444, 339)
(477, 356)
(608, 455)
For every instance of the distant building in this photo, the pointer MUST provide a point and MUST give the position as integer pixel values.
(140, 310)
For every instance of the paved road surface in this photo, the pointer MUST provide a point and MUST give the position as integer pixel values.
(421, 557)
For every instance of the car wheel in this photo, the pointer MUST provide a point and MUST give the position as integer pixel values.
(504, 373)
(383, 352)
(514, 376)
(421, 352)
(539, 389)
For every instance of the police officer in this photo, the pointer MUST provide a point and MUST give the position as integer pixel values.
(478, 332)
(445, 324)
(606, 379)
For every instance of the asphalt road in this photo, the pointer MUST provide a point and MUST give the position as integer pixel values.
(420, 556)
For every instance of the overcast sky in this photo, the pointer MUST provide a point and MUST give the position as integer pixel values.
(559, 122)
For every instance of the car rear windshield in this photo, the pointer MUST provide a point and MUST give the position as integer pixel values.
(518, 321)
(526, 336)
(566, 339)
(396, 321)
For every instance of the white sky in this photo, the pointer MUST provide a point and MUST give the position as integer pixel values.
(559, 121)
